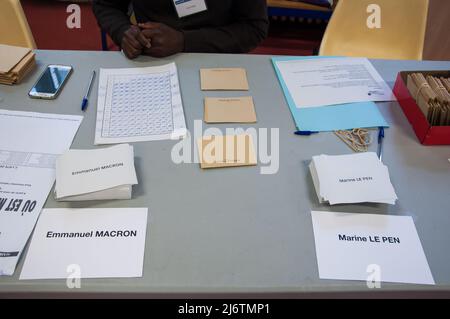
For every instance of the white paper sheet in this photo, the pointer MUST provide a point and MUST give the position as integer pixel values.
(139, 104)
(100, 243)
(383, 247)
(330, 81)
(29, 146)
(83, 172)
(352, 178)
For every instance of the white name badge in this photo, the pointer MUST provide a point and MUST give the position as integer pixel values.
(188, 7)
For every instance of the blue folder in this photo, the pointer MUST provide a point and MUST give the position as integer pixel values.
(331, 117)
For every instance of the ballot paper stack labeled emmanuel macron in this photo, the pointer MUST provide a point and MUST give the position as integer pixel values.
(99, 174)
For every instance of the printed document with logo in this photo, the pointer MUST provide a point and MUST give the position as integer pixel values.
(98, 174)
(326, 118)
(330, 81)
(87, 243)
(29, 145)
(353, 178)
(369, 247)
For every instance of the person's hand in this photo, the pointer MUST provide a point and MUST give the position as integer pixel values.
(134, 42)
(164, 39)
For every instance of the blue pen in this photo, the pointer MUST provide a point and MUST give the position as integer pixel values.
(85, 99)
(380, 142)
(305, 133)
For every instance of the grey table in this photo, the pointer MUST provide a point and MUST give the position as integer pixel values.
(235, 231)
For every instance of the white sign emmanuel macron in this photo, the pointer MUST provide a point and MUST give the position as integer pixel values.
(101, 243)
(353, 246)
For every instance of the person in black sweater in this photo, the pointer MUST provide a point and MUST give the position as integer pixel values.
(226, 26)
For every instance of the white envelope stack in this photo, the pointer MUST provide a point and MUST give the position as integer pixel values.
(354, 178)
(98, 174)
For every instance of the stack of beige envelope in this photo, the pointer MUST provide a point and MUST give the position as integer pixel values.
(15, 63)
(432, 94)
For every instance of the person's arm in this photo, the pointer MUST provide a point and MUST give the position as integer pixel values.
(249, 29)
(112, 17)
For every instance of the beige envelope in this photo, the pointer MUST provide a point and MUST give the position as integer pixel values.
(224, 79)
(18, 71)
(10, 56)
(230, 110)
(226, 151)
(25, 64)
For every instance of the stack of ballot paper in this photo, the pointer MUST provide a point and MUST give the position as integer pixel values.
(354, 178)
(15, 63)
(99, 174)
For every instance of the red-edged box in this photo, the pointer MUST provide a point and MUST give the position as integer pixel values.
(427, 134)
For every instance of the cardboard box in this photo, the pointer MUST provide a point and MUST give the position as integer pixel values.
(427, 134)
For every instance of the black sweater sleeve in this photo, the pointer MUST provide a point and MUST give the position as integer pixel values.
(249, 28)
(112, 16)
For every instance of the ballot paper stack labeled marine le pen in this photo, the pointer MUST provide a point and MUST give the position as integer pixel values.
(352, 178)
(432, 95)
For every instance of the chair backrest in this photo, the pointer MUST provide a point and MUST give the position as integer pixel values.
(401, 34)
(14, 25)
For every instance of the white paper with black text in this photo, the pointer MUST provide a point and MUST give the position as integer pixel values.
(352, 178)
(29, 145)
(88, 243)
(330, 81)
(369, 247)
(91, 172)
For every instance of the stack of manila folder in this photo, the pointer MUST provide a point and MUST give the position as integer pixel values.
(15, 63)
